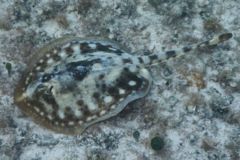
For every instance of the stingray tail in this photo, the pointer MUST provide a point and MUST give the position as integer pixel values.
(161, 57)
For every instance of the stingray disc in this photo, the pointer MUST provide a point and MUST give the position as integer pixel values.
(73, 83)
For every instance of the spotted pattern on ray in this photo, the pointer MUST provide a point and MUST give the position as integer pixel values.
(73, 83)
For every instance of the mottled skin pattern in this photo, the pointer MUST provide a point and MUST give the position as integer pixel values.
(73, 83)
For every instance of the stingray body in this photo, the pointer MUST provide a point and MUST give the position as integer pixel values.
(73, 83)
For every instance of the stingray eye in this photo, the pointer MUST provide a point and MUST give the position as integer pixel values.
(49, 90)
(41, 88)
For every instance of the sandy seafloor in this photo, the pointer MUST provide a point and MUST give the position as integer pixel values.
(193, 105)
